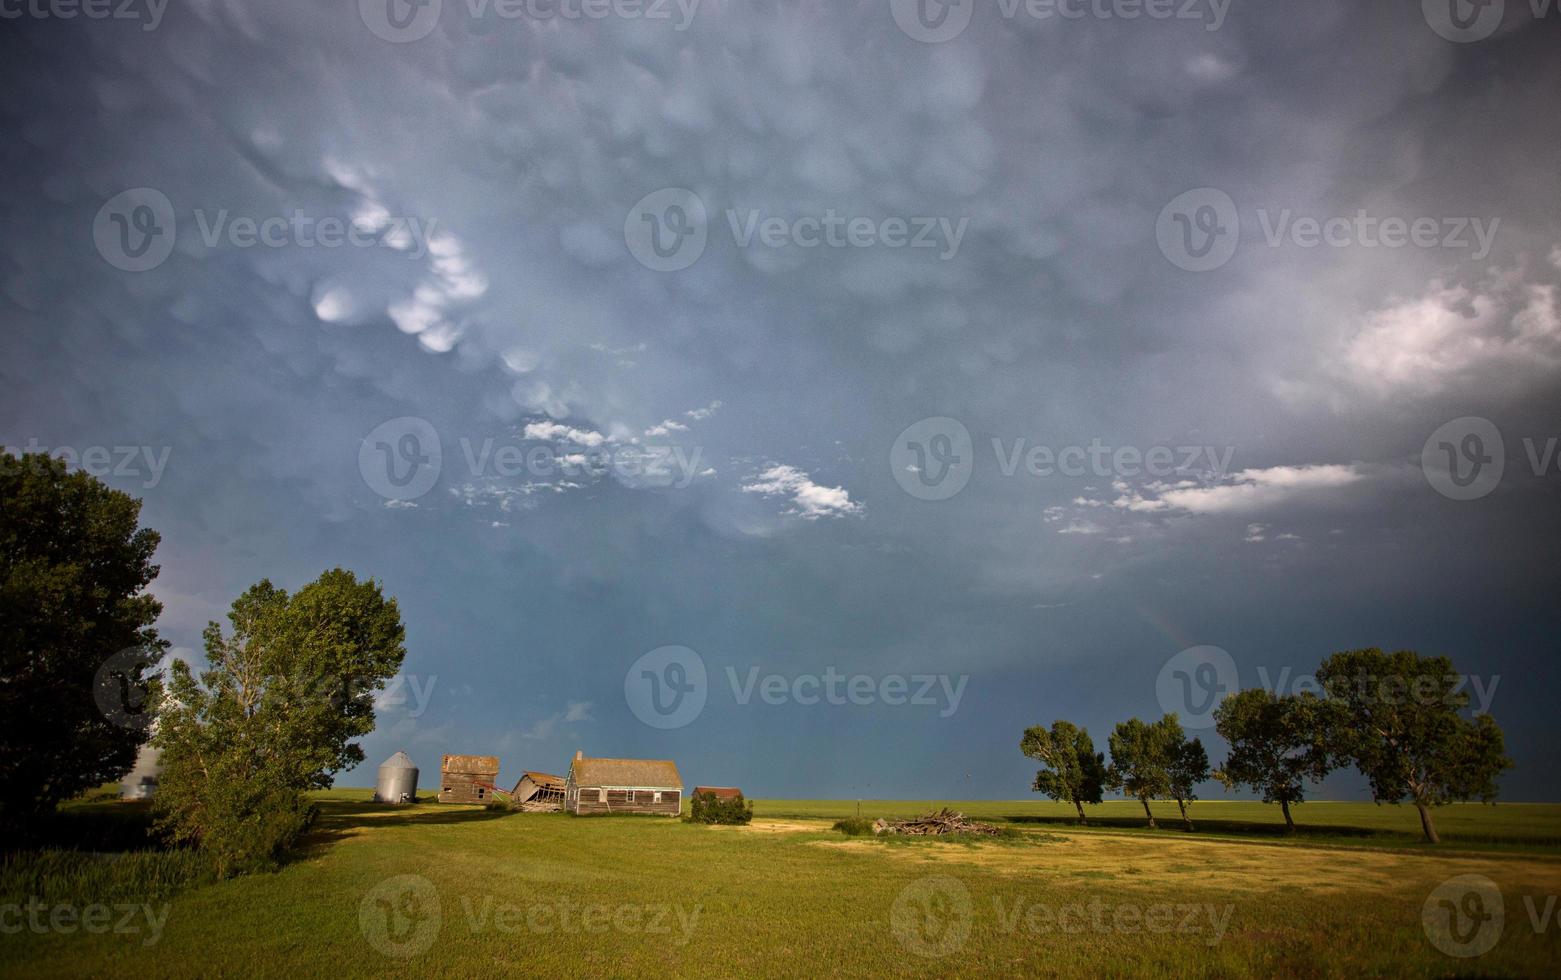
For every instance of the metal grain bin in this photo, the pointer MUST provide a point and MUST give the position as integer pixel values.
(140, 783)
(397, 780)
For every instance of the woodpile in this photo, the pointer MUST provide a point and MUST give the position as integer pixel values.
(944, 821)
(541, 806)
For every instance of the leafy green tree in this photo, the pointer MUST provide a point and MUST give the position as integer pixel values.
(1276, 744)
(1189, 765)
(709, 808)
(1075, 773)
(1403, 730)
(274, 714)
(77, 636)
(1141, 758)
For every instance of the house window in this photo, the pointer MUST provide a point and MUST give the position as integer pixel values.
(657, 797)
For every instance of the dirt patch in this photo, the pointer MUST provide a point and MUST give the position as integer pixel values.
(785, 826)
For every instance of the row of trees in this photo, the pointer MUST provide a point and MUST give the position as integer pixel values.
(286, 689)
(1397, 718)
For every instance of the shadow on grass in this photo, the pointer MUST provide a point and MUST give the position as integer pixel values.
(339, 819)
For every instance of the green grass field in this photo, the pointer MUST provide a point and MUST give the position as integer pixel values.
(467, 892)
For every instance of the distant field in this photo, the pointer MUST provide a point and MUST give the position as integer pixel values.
(460, 891)
(1532, 827)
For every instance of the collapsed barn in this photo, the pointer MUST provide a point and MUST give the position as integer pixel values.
(538, 792)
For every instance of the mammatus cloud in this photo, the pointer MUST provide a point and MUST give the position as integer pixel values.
(809, 500)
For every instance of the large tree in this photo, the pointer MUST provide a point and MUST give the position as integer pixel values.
(1403, 729)
(1075, 773)
(1141, 757)
(1188, 767)
(1277, 743)
(77, 636)
(274, 714)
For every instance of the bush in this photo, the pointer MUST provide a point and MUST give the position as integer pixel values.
(855, 826)
(709, 808)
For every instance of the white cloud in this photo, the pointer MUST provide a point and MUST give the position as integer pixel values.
(810, 500)
(1454, 333)
(1254, 490)
(554, 431)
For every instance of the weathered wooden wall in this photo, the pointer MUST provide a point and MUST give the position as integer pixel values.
(628, 801)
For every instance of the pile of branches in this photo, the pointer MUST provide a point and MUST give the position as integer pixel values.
(944, 821)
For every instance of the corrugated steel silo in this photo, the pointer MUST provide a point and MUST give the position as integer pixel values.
(397, 780)
(140, 783)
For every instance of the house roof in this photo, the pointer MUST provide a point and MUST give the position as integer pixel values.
(544, 779)
(647, 773)
(719, 792)
(479, 764)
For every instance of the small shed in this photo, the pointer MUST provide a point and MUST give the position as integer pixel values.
(538, 787)
(467, 778)
(397, 782)
(719, 792)
(623, 786)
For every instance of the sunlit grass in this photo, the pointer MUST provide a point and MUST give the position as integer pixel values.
(789, 896)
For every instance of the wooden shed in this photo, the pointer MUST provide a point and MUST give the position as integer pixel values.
(538, 787)
(467, 778)
(623, 786)
(719, 792)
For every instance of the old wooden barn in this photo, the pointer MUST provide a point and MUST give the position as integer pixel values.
(467, 778)
(623, 786)
(538, 791)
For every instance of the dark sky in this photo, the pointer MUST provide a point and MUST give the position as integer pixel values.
(734, 330)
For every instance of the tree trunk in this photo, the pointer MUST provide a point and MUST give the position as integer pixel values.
(1427, 824)
(1289, 823)
(1080, 806)
(1183, 804)
(1147, 812)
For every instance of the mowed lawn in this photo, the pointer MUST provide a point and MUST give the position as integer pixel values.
(464, 892)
